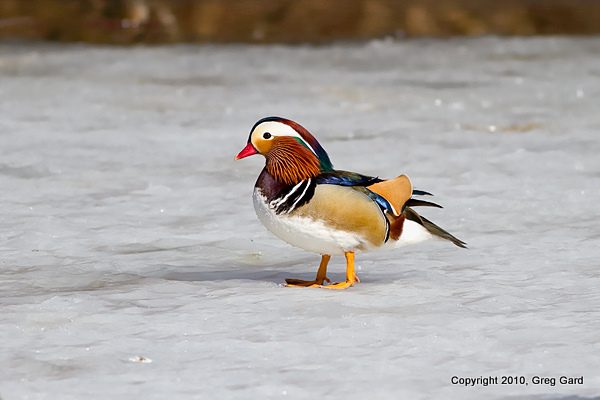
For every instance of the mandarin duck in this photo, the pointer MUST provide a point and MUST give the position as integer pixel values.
(301, 199)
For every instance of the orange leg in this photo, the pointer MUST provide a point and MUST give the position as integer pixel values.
(350, 274)
(321, 276)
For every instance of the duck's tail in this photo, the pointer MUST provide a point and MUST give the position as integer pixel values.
(432, 228)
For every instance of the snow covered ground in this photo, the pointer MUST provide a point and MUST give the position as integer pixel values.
(133, 266)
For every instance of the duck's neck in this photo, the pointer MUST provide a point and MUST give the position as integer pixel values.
(290, 162)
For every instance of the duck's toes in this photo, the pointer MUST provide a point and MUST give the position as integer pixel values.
(320, 284)
(301, 283)
(341, 285)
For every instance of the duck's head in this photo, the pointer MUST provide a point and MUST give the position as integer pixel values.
(292, 153)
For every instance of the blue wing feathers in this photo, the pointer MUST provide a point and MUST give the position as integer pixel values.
(345, 178)
(381, 201)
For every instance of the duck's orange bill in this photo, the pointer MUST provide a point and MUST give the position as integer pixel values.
(249, 150)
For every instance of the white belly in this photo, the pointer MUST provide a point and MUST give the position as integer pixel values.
(306, 233)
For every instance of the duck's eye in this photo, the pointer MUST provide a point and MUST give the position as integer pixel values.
(267, 135)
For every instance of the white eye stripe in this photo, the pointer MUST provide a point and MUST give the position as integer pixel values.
(280, 129)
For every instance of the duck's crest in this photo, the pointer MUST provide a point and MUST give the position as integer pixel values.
(305, 138)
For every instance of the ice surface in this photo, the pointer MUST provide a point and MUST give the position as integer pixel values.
(133, 265)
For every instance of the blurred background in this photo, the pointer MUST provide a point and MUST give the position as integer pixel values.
(288, 21)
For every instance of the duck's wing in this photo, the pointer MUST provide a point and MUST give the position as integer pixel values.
(391, 195)
(358, 182)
